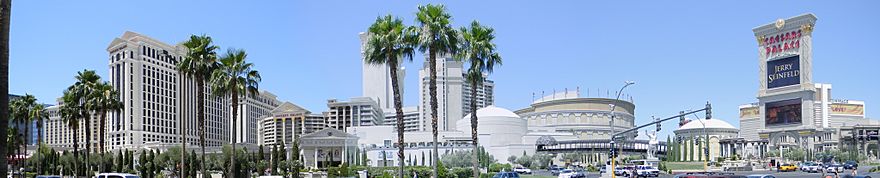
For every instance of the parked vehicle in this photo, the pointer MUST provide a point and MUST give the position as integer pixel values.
(787, 167)
(811, 167)
(116, 175)
(522, 170)
(566, 173)
(647, 171)
(850, 165)
(506, 175)
(621, 171)
(834, 168)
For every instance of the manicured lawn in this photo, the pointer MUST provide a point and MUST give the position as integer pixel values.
(684, 165)
(533, 176)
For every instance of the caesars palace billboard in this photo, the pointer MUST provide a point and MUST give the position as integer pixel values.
(847, 109)
(783, 112)
(783, 72)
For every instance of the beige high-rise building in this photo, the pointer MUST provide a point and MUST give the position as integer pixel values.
(287, 122)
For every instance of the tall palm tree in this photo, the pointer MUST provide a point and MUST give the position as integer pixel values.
(22, 117)
(18, 112)
(436, 37)
(478, 49)
(14, 114)
(200, 61)
(83, 89)
(5, 9)
(102, 100)
(235, 78)
(38, 113)
(389, 43)
(70, 112)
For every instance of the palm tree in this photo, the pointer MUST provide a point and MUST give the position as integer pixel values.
(102, 100)
(234, 77)
(5, 9)
(22, 115)
(83, 89)
(389, 43)
(38, 113)
(70, 112)
(436, 35)
(478, 50)
(199, 63)
(18, 112)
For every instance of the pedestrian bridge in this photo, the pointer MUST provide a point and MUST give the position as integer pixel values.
(601, 146)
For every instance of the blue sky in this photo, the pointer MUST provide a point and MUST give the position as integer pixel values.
(681, 54)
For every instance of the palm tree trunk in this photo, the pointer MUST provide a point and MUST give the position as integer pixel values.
(101, 137)
(88, 140)
(432, 89)
(232, 165)
(474, 127)
(24, 142)
(75, 152)
(39, 146)
(398, 107)
(5, 9)
(200, 84)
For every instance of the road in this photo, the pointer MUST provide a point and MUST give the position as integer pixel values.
(862, 171)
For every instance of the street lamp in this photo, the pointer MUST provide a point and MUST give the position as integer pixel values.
(611, 124)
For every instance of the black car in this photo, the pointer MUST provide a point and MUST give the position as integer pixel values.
(850, 165)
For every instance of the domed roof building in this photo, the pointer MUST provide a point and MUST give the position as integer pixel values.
(499, 125)
(692, 138)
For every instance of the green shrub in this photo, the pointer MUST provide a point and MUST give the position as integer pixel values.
(462, 172)
(495, 167)
(487, 175)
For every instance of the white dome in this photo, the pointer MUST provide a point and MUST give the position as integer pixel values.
(710, 123)
(492, 111)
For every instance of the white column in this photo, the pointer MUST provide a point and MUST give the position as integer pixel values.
(316, 157)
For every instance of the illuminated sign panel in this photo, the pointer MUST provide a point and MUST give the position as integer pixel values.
(749, 112)
(783, 112)
(847, 109)
(783, 72)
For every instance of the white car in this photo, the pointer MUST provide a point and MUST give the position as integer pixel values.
(566, 173)
(647, 171)
(522, 170)
(116, 175)
(834, 168)
(811, 167)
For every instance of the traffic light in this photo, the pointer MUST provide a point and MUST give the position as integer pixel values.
(658, 123)
(708, 111)
(613, 150)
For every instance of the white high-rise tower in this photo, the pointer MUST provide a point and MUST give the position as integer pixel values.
(377, 80)
(453, 94)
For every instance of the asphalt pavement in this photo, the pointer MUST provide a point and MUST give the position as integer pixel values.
(796, 174)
